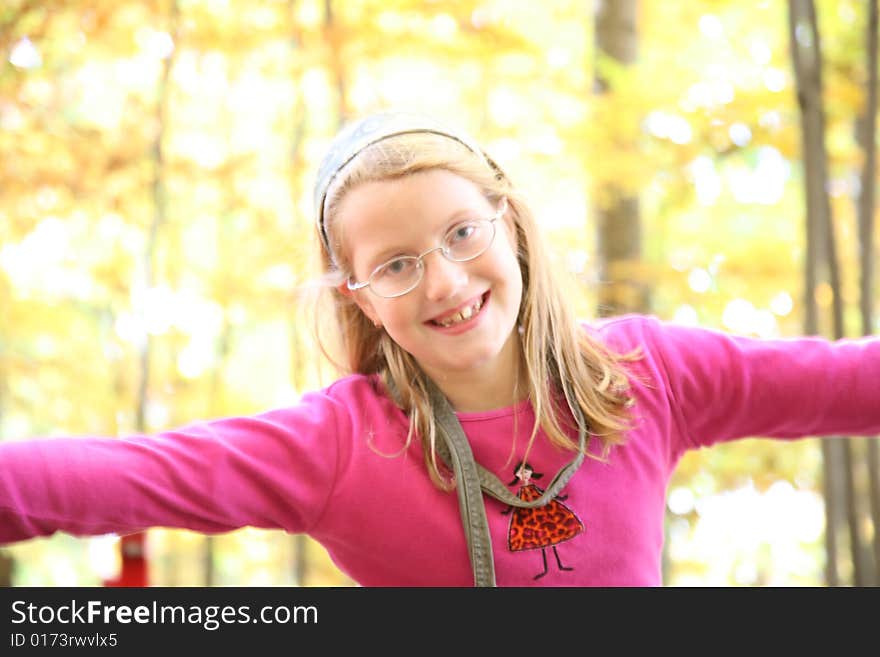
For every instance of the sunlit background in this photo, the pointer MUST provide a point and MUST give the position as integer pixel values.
(156, 163)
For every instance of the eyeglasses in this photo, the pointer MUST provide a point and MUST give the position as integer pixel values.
(464, 241)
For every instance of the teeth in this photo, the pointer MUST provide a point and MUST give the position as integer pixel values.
(464, 314)
(449, 321)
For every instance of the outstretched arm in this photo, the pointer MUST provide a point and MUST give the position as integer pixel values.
(273, 470)
(724, 387)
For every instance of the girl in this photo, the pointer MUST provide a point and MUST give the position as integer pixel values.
(452, 327)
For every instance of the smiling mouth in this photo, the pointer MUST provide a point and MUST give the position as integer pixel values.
(463, 314)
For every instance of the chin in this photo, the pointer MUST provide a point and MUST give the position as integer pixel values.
(469, 362)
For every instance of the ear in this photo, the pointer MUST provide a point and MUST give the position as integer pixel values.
(363, 302)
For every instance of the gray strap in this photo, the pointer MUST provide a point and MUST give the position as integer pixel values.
(467, 484)
(471, 477)
(451, 431)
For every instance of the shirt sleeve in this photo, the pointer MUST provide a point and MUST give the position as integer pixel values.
(723, 387)
(272, 470)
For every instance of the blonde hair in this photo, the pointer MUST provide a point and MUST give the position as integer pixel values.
(555, 348)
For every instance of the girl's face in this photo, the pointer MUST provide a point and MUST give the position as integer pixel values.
(381, 220)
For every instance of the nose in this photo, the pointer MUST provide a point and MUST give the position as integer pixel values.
(442, 277)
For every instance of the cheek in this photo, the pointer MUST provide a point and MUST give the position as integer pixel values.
(509, 265)
(510, 233)
(396, 314)
(366, 306)
(510, 252)
(514, 283)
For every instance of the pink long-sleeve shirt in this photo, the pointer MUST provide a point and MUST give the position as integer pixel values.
(318, 467)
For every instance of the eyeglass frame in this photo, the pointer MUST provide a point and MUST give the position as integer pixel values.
(420, 265)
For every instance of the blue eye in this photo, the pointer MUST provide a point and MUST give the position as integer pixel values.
(397, 267)
(462, 232)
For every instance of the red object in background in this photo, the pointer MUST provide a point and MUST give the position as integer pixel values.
(134, 562)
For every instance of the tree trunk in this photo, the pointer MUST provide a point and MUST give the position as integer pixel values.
(299, 564)
(7, 565)
(209, 549)
(866, 136)
(333, 37)
(160, 202)
(858, 550)
(619, 252)
(838, 462)
(809, 100)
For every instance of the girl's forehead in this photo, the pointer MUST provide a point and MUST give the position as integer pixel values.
(422, 192)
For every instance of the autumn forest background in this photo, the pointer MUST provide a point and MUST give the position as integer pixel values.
(710, 162)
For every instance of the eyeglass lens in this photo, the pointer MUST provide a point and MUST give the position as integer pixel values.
(465, 241)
